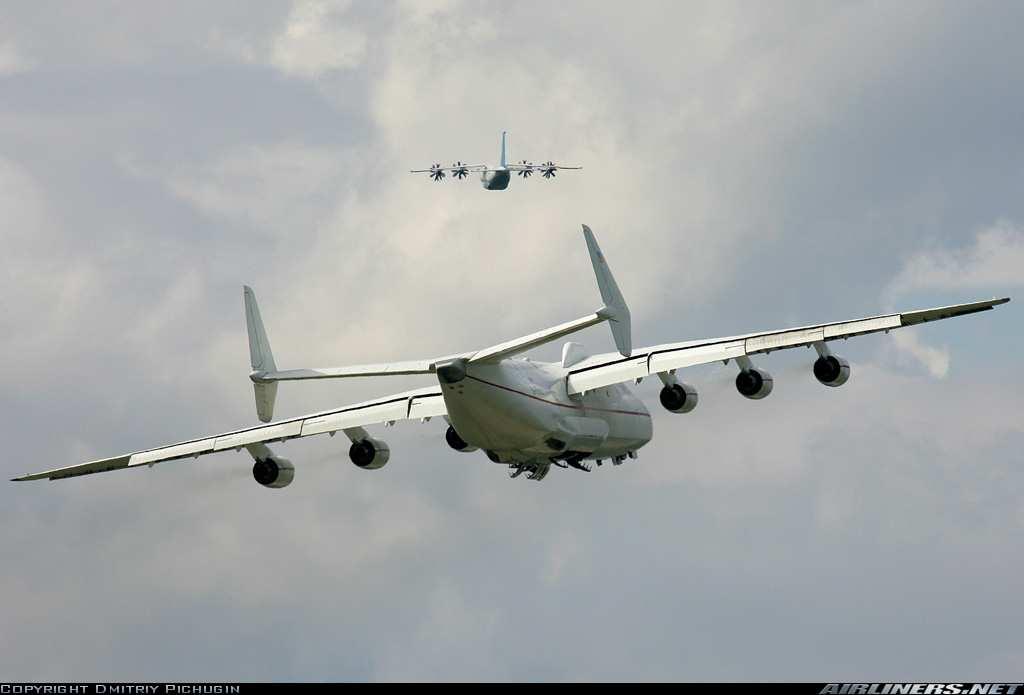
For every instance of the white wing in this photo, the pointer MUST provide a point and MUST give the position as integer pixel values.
(612, 368)
(420, 403)
(451, 169)
(537, 167)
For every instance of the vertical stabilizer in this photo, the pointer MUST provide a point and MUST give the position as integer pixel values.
(504, 148)
(260, 357)
(614, 305)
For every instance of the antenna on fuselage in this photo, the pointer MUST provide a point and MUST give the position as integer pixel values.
(504, 151)
(615, 309)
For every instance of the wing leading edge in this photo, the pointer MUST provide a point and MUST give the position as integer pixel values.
(419, 403)
(612, 368)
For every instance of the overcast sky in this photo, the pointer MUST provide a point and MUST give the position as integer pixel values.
(746, 166)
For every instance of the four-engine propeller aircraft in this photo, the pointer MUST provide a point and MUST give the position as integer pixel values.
(529, 415)
(497, 178)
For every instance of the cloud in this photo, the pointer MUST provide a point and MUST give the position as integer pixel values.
(275, 187)
(317, 39)
(12, 61)
(744, 169)
(934, 359)
(993, 261)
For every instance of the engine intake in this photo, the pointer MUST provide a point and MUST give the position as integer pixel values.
(456, 442)
(831, 370)
(678, 398)
(754, 383)
(369, 454)
(273, 471)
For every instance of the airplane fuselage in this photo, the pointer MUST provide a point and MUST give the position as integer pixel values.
(519, 410)
(495, 179)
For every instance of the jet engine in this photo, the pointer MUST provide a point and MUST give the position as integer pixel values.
(678, 397)
(754, 383)
(456, 442)
(831, 370)
(369, 454)
(273, 471)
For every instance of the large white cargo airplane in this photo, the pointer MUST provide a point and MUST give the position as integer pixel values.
(526, 414)
(494, 178)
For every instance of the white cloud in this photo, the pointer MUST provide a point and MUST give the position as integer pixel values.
(747, 534)
(995, 260)
(934, 359)
(992, 262)
(278, 188)
(12, 61)
(318, 38)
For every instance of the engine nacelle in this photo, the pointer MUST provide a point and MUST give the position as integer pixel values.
(456, 442)
(678, 398)
(369, 454)
(754, 383)
(831, 370)
(273, 471)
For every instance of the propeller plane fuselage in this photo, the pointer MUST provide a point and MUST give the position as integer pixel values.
(495, 179)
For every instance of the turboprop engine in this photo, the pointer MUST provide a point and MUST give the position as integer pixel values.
(273, 471)
(831, 370)
(369, 454)
(456, 442)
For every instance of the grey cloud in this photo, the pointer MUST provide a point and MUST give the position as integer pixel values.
(745, 168)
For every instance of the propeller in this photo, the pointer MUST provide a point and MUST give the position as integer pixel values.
(436, 172)
(548, 169)
(525, 173)
(459, 170)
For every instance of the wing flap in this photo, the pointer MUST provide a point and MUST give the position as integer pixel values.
(379, 412)
(852, 328)
(272, 432)
(203, 446)
(699, 354)
(775, 341)
(624, 369)
(426, 407)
